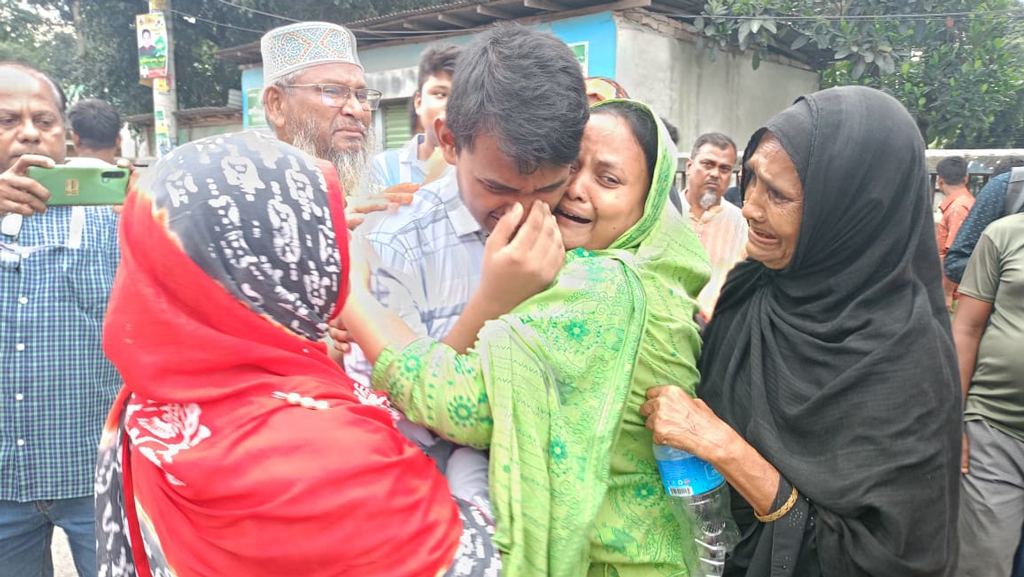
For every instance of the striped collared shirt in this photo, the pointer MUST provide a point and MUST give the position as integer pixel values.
(56, 386)
(723, 234)
(431, 252)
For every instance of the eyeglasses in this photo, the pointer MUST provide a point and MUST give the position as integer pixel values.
(337, 95)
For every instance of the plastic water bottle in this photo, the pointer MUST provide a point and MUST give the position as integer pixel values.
(700, 501)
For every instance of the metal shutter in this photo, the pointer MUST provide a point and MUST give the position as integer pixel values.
(396, 124)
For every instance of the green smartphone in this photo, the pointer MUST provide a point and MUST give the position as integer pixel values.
(81, 185)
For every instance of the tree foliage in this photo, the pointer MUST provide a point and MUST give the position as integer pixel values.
(961, 76)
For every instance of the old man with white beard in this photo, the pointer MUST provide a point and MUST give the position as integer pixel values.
(316, 99)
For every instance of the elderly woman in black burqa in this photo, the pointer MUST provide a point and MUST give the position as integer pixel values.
(828, 373)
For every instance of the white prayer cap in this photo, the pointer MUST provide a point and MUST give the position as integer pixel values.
(304, 44)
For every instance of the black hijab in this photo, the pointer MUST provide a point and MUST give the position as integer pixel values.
(840, 368)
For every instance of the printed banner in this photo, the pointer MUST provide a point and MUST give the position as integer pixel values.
(164, 139)
(152, 35)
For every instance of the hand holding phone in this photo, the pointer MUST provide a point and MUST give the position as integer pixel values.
(82, 185)
(20, 194)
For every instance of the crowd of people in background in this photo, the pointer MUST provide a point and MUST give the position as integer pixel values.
(289, 354)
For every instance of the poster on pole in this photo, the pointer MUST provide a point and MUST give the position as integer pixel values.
(152, 35)
(164, 139)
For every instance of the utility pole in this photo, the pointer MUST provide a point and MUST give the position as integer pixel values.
(165, 90)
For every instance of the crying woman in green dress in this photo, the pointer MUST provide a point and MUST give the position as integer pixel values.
(553, 387)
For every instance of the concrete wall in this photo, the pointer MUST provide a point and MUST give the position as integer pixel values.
(698, 95)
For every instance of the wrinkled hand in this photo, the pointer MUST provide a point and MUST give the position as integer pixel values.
(965, 462)
(391, 198)
(517, 267)
(688, 424)
(19, 194)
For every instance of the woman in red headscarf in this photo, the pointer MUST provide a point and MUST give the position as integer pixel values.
(237, 446)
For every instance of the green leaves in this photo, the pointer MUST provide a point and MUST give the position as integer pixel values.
(961, 77)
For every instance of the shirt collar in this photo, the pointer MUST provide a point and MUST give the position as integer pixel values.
(87, 162)
(949, 199)
(709, 214)
(462, 220)
(410, 151)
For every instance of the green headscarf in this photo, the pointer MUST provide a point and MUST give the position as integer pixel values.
(553, 390)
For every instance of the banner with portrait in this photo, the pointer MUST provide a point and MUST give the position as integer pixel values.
(152, 35)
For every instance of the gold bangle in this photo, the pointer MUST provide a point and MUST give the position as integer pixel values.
(778, 514)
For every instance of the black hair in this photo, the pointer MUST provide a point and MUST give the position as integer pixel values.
(673, 132)
(526, 89)
(145, 31)
(96, 123)
(716, 139)
(952, 169)
(641, 124)
(1006, 165)
(436, 59)
(59, 98)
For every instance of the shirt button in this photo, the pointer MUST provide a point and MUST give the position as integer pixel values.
(23, 300)
(19, 397)
(19, 347)
(21, 442)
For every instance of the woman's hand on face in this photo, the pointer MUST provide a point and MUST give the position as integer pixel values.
(521, 263)
(685, 423)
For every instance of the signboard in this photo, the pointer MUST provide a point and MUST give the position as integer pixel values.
(254, 115)
(152, 35)
(582, 52)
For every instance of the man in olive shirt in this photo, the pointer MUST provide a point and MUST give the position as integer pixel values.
(989, 329)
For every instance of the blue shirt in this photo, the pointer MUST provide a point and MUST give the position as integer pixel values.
(56, 386)
(988, 207)
(431, 253)
(399, 166)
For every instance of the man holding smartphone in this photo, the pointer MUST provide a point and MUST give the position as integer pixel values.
(57, 266)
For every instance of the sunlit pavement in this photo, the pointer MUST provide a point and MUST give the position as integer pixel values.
(63, 564)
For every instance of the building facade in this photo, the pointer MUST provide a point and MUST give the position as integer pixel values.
(652, 55)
